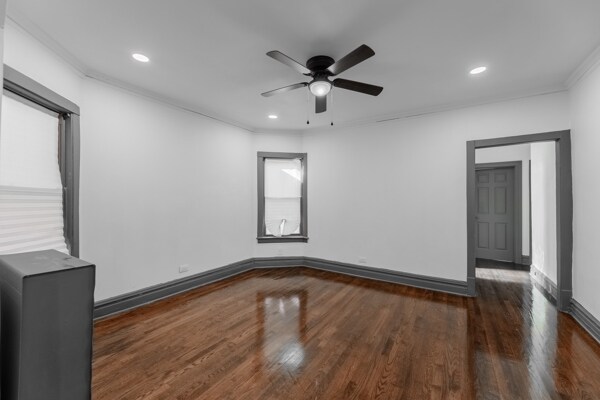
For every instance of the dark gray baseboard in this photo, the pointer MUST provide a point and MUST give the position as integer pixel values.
(525, 260)
(151, 294)
(363, 271)
(386, 275)
(154, 293)
(585, 319)
(546, 286)
(279, 262)
(471, 286)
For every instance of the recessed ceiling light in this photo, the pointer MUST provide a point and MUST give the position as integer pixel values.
(478, 70)
(140, 57)
(273, 116)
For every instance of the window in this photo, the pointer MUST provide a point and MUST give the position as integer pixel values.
(282, 197)
(39, 160)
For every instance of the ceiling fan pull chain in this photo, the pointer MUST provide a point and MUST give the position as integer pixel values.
(331, 106)
(307, 107)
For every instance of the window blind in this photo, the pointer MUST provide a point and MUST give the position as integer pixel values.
(31, 190)
(283, 194)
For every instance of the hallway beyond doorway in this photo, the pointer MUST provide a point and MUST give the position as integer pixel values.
(493, 264)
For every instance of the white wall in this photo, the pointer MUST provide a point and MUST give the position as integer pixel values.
(160, 187)
(585, 117)
(2, 19)
(30, 57)
(288, 142)
(395, 193)
(520, 152)
(1, 62)
(543, 208)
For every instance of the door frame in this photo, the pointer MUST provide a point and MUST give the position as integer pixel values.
(517, 167)
(564, 207)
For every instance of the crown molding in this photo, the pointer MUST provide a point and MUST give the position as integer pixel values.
(482, 101)
(441, 108)
(18, 20)
(32, 29)
(271, 131)
(588, 65)
(149, 94)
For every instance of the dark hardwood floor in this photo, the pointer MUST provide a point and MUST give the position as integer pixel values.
(304, 334)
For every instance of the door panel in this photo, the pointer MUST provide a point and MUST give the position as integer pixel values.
(483, 200)
(500, 200)
(483, 237)
(495, 214)
(500, 236)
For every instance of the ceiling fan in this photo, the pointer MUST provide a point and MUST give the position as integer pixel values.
(320, 69)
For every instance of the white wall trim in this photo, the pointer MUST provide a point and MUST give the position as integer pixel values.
(288, 132)
(588, 65)
(440, 109)
(468, 104)
(137, 90)
(18, 21)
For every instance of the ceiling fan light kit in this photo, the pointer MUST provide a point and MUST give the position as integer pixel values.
(320, 88)
(320, 69)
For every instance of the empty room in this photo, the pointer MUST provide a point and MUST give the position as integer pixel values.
(325, 199)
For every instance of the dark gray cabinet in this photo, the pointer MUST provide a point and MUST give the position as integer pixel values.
(47, 305)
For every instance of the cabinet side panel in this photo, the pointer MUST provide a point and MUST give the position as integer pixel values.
(57, 335)
(10, 331)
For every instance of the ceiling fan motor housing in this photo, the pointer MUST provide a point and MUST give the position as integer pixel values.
(319, 64)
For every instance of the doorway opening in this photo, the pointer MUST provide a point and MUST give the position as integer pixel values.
(499, 208)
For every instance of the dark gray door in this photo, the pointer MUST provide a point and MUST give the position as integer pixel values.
(495, 214)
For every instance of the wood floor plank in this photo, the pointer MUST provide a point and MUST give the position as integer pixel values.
(298, 333)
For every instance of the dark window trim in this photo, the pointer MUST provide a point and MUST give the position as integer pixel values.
(261, 229)
(24, 86)
(69, 147)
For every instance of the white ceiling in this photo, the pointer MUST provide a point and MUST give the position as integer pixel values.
(210, 54)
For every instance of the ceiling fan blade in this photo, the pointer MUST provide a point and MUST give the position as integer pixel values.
(320, 104)
(284, 89)
(357, 56)
(357, 86)
(279, 56)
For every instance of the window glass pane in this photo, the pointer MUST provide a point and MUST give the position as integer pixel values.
(283, 191)
(283, 178)
(31, 202)
(28, 146)
(278, 210)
